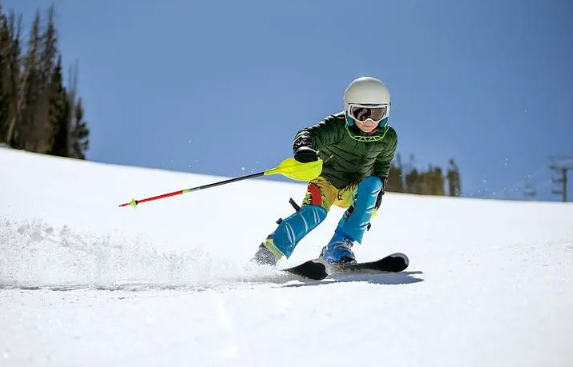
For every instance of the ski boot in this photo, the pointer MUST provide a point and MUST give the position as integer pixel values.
(264, 256)
(338, 250)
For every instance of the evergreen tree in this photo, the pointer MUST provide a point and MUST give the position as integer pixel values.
(37, 113)
(438, 182)
(27, 134)
(45, 88)
(424, 183)
(4, 75)
(80, 132)
(413, 182)
(454, 181)
(14, 85)
(431, 181)
(395, 179)
(59, 114)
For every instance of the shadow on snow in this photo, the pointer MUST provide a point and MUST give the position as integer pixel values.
(405, 277)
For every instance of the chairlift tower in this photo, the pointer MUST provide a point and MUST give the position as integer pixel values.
(561, 165)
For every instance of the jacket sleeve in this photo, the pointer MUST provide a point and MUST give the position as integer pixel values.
(328, 131)
(384, 159)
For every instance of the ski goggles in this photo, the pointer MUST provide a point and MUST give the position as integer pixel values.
(364, 112)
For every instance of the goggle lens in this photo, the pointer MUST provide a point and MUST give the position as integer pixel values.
(362, 113)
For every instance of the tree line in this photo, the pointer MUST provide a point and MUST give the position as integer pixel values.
(38, 113)
(432, 181)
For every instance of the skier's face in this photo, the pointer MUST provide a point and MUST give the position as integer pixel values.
(367, 126)
(367, 117)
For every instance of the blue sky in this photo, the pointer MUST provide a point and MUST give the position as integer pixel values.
(221, 87)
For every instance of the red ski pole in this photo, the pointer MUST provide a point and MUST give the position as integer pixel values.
(289, 168)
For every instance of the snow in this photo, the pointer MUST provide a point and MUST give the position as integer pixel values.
(86, 283)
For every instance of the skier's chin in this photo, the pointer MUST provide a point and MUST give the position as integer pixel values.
(368, 128)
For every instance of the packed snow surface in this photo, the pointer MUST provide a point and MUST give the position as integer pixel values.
(86, 283)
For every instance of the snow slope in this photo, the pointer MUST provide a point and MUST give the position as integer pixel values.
(85, 283)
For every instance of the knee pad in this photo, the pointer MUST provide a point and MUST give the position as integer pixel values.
(293, 229)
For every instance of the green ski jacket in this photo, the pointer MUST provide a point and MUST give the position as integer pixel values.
(348, 153)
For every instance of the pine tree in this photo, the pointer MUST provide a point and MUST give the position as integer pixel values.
(424, 182)
(454, 181)
(438, 182)
(4, 76)
(59, 113)
(45, 88)
(27, 135)
(14, 83)
(80, 132)
(395, 179)
(413, 182)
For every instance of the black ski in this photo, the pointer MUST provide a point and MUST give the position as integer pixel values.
(393, 263)
(311, 269)
(318, 270)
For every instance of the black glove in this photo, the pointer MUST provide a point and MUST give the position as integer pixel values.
(382, 191)
(305, 154)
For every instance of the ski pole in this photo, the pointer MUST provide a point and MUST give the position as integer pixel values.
(289, 168)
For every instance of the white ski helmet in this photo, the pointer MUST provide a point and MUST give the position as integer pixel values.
(369, 97)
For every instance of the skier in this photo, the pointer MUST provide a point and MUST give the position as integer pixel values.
(356, 146)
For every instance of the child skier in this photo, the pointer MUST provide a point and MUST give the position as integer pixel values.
(356, 146)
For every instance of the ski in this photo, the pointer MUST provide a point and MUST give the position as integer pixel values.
(311, 269)
(393, 263)
(317, 269)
